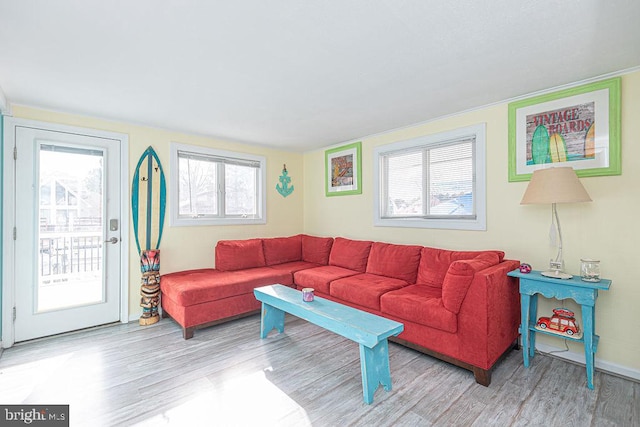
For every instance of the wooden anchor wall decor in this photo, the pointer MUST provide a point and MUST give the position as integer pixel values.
(283, 188)
(148, 201)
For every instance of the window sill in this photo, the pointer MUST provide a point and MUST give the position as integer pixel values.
(478, 224)
(194, 222)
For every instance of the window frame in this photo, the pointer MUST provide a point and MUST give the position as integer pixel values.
(478, 223)
(261, 196)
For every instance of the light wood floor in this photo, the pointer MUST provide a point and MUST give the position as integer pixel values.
(226, 376)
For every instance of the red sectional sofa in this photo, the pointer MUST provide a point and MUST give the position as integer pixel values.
(459, 306)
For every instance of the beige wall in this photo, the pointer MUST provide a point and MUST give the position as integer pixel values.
(193, 247)
(606, 229)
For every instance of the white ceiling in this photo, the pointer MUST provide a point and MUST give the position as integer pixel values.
(302, 74)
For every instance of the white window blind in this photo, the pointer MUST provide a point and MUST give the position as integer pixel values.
(216, 187)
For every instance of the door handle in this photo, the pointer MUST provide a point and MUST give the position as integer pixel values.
(112, 240)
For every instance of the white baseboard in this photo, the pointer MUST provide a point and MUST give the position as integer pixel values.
(601, 365)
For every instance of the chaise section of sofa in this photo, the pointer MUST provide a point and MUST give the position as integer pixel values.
(200, 298)
(205, 297)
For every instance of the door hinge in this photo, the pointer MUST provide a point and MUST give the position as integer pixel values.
(15, 233)
(14, 314)
(15, 153)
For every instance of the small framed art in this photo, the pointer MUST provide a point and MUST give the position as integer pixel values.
(343, 170)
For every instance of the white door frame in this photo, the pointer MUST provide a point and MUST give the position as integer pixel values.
(8, 203)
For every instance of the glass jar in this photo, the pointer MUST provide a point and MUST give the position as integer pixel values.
(590, 270)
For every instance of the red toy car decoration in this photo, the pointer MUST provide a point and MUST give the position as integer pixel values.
(563, 321)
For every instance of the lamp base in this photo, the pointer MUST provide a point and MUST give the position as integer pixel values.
(556, 274)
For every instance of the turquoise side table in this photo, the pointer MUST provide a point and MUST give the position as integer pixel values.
(584, 293)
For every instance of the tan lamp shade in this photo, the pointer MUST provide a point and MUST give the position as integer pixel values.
(554, 185)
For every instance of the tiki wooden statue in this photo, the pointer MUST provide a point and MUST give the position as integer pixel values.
(150, 286)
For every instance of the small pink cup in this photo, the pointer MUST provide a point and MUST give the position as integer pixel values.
(307, 294)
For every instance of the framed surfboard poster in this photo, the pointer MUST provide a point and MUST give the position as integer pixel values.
(577, 127)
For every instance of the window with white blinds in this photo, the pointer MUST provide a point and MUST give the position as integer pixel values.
(435, 181)
(212, 187)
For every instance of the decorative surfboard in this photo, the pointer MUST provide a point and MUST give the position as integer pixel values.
(540, 145)
(148, 201)
(590, 142)
(557, 148)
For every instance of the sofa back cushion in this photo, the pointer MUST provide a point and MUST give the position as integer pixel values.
(396, 261)
(239, 254)
(279, 250)
(351, 254)
(434, 264)
(316, 249)
(459, 276)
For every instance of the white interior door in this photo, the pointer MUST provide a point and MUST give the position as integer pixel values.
(68, 229)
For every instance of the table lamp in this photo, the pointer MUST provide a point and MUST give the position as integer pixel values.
(555, 185)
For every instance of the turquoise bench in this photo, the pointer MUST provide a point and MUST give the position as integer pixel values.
(368, 330)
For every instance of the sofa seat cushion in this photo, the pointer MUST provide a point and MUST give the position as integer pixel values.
(192, 287)
(434, 264)
(316, 249)
(320, 278)
(351, 254)
(397, 261)
(419, 304)
(279, 250)
(234, 255)
(292, 267)
(364, 289)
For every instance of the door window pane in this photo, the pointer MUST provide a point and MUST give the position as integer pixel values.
(70, 258)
